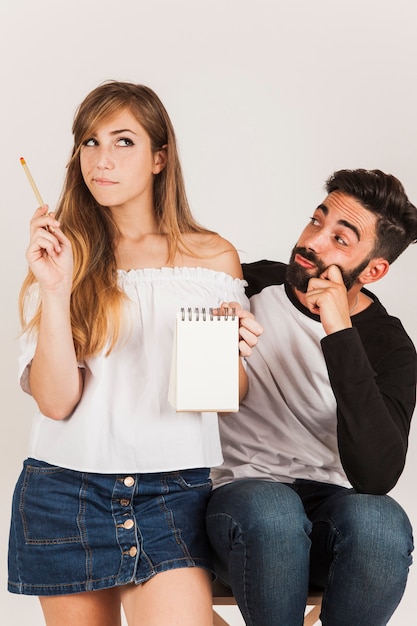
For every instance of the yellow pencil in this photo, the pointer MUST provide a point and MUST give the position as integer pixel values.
(32, 182)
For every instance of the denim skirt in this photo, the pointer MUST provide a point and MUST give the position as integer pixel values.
(74, 531)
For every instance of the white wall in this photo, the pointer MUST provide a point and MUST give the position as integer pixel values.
(267, 98)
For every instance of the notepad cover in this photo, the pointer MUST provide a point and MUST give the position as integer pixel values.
(205, 364)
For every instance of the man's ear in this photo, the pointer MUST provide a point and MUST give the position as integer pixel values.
(375, 270)
(160, 159)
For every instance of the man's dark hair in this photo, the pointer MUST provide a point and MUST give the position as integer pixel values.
(384, 195)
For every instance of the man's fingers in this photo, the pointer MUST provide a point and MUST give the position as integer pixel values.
(333, 273)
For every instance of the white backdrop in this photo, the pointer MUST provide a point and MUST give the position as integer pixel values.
(267, 99)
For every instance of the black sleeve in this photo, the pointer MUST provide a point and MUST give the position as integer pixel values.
(261, 274)
(373, 377)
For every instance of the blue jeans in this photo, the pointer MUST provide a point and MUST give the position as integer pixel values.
(272, 540)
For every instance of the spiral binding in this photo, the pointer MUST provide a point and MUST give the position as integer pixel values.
(196, 314)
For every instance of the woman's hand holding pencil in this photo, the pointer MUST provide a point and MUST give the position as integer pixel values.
(50, 252)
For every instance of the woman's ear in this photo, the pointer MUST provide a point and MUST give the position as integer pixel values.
(375, 270)
(160, 159)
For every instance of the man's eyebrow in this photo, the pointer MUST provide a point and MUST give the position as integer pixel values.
(351, 226)
(344, 223)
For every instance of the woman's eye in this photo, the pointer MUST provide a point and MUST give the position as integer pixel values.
(124, 141)
(90, 142)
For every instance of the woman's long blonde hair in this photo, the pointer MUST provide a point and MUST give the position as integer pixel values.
(96, 299)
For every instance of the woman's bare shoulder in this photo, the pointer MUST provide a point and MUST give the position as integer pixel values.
(213, 251)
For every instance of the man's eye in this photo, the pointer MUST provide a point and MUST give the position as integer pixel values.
(340, 240)
(314, 221)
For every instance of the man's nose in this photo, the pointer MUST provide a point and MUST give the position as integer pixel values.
(316, 242)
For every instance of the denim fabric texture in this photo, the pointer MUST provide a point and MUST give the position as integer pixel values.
(75, 531)
(272, 540)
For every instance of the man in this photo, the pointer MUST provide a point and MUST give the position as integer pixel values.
(322, 435)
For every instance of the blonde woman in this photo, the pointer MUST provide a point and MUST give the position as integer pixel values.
(109, 508)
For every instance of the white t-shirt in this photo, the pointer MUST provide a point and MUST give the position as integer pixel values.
(286, 426)
(124, 422)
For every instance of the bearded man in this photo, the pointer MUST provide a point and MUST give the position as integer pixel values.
(322, 435)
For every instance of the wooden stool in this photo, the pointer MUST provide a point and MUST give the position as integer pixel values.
(222, 596)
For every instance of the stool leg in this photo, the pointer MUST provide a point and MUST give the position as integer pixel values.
(312, 617)
(217, 620)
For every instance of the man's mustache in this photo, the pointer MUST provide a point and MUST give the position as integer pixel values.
(311, 256)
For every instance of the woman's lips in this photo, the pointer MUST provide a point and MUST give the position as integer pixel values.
(104, 182)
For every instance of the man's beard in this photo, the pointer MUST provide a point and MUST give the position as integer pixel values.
(299, 277)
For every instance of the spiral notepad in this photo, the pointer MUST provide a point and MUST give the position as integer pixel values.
(205, 363)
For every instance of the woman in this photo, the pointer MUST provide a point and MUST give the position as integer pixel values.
(109, 508)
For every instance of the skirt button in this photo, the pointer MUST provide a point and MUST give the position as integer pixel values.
(129, 481)
(128, 524)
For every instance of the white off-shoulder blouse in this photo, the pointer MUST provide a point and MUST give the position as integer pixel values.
(124, 422)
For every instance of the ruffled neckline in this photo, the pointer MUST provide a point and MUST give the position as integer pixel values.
(176, 273)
